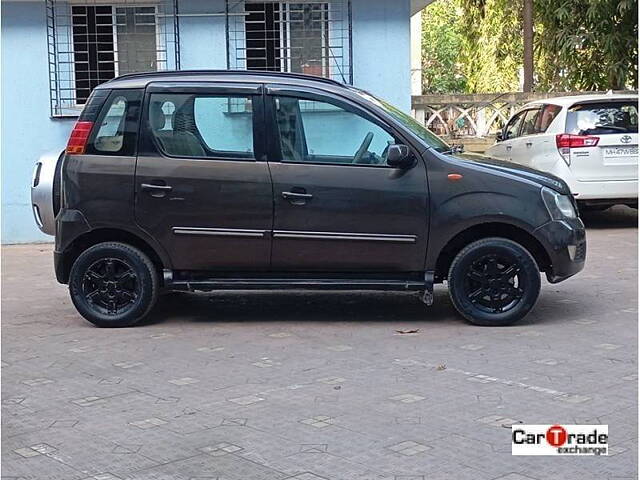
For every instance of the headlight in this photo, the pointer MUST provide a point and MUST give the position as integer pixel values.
(559, 206)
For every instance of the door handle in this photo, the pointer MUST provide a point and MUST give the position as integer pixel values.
(157, 191)
(529, 144)
(297, 198)
(509, 147)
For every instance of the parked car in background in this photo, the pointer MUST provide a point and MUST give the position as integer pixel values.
(203, 181)
(590, 141)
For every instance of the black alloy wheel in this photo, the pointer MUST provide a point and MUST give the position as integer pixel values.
(494, 282)
(113, 284)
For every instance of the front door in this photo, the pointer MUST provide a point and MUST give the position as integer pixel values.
(504, 149)
(201, 189)
(338, 206)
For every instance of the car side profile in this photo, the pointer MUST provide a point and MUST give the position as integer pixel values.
(216, 180)
(590, 141)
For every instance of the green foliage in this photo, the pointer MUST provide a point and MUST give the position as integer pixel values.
(492, 47)
(442, 70)
(476, 45)
(587, 45)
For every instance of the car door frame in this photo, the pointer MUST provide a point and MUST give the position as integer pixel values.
(148, 148)
(308, 93)
(508, 143)
(521, 144)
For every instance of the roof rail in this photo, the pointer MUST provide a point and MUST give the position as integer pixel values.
(233, 72)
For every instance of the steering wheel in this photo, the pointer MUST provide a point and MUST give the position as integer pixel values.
(366, 143)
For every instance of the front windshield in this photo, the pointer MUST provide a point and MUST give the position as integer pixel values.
(409, 122)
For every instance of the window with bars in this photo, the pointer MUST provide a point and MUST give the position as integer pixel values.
(92, 43)
(310, 37)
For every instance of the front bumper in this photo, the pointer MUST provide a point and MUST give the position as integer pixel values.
(566, 244)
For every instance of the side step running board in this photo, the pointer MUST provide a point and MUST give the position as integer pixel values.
(293, 284)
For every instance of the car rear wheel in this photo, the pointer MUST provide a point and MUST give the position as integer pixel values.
(113, 285)
(494, 282)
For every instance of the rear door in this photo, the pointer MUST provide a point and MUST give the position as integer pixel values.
(615, 124)
(202, 187)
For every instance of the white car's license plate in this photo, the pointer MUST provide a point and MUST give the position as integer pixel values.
(620, 151)
(620, 156)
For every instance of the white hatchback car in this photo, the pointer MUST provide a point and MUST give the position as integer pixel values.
(590, 141)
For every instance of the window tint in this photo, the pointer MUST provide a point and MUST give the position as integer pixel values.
(512, 128)
(603, 118)
(201, 126)
(547, 115)
(529, 122)
(117, 125)
(319, 132)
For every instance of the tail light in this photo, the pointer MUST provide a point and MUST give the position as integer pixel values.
(566, 141)
(78, 140)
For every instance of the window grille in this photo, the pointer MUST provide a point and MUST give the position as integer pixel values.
(309, 36)
(92, 41)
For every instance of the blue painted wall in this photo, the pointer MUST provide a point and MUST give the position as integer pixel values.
(381, 64)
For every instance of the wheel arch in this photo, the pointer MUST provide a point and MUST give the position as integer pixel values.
(100, 235)
(485, 230)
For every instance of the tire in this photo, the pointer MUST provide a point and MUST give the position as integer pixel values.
(482, 288)
(113, 285)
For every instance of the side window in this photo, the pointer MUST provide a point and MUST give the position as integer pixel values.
(117, 125)
(529, 122)
(513, 127)
(321, 132)
(202, 126)
(546, 117)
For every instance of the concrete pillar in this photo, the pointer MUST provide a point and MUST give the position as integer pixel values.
(416, 54)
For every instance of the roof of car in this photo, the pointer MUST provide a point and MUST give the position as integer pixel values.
(141, 80)
(567, 101)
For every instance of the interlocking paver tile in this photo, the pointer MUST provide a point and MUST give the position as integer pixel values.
(314, 448)
(234, 422)
(32, 382)
(148, 423)
(183, 381)
(407, 398)
(246, 400)
(88, 401)
(333, 409)
(319, 421)
(221, 449)
(409, 448)
(340, 348)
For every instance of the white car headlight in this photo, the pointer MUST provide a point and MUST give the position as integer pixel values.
(559, 206)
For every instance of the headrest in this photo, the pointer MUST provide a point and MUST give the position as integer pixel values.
(157, 117)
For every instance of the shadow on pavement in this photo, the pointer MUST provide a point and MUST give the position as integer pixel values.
(619, 216)
(296, 306)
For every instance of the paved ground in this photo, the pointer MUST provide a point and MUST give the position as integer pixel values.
(318, 386)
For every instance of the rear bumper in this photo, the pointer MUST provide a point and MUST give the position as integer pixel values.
(566, 245)
(614, 190)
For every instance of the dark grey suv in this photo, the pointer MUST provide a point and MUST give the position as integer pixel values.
(203, 180)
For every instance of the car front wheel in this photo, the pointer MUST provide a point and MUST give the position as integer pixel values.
(494, 282)
(113, 285)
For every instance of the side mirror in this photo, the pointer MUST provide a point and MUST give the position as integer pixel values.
(399, 156)
(499, 137)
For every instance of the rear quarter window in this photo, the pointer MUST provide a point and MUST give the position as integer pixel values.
(116, 128)
(603, 118)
